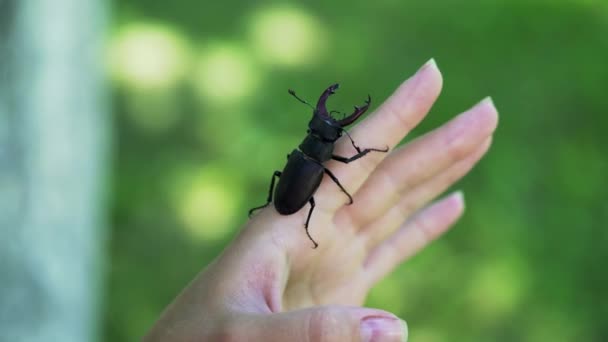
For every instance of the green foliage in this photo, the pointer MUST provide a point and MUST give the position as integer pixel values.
(525, 262)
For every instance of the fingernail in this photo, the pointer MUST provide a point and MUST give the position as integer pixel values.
(489, 110)
(487, 100)
(429, 63)
(413, 81)
(459, 196)
(380, 329)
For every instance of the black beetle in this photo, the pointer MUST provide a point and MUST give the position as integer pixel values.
(303, 173)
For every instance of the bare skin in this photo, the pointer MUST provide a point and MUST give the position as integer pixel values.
(270, 285)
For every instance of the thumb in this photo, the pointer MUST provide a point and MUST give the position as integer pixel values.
(329, 324)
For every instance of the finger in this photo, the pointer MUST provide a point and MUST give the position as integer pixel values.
(414, 235)
(420, 160)
(325, 324)
(419, 196)
(399, 114)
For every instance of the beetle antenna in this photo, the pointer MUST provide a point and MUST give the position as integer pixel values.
(293, 93)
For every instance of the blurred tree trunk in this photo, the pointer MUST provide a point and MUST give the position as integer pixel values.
(53, 129)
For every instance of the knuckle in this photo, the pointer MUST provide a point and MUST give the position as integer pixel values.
(401, 120)
(226, 332)
(407, 207)
(456, 148)
(321, 326)
(425, 232)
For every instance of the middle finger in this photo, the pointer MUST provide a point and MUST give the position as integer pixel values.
(421, 159)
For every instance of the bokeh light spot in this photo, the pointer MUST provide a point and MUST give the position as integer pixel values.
(206, 202)
(147, 56)
(498, 288)
(287, 36)
(225, 73)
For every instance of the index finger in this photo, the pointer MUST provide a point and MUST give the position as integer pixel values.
(386, 127)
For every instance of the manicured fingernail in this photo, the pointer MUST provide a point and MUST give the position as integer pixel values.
(489, 112)
(487, 101)
(415, 80)
(429, 63)
(380, 329)
(458, 196)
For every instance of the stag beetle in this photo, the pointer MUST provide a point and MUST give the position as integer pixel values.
(303, 173)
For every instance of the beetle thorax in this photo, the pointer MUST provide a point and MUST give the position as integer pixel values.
(325, 129)
(317, 149)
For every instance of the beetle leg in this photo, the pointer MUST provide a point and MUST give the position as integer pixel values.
(312, 207)
(270, 192)
(361, 153)
(335, 179)
(352, 141)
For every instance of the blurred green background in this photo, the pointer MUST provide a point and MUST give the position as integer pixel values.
(202, 118)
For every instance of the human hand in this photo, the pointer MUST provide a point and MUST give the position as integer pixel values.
(270, 285)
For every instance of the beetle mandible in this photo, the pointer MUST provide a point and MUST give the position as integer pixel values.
(304, 171)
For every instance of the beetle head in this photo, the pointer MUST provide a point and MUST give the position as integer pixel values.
(326, 126)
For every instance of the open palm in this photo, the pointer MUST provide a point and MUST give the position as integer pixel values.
(271, 267)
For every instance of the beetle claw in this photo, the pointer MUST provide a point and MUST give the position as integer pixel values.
(356, 114)
(321, 110)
